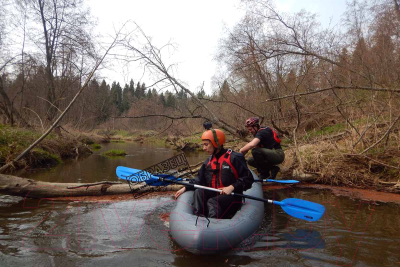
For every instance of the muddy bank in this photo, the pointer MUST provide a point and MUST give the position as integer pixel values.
(355, 193)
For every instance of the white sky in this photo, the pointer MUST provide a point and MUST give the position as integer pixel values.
(196, 26)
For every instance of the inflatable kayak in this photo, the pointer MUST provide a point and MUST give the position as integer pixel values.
(200, 235)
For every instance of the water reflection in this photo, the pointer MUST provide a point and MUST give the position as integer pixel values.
(97, 167)
(47, 233)
(131, 233)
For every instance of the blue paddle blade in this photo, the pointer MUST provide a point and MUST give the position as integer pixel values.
(157, 182)
(135, 175)
(281, 181)
(302, 209)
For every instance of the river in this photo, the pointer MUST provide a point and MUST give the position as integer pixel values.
(353, 232)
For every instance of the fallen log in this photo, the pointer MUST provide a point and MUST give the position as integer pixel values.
(304, 177)
(17, 186)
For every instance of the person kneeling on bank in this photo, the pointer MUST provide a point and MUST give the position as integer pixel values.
(265, 149)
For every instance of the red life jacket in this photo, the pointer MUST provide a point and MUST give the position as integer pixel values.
(276, 136)
(218, 172)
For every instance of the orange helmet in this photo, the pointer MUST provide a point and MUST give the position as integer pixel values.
(217, 137)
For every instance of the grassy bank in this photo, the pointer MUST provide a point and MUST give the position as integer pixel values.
(191, 143)
(335, 155)
(331, 155)
(51, 151)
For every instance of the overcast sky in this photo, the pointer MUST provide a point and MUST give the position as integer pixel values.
(195, 26)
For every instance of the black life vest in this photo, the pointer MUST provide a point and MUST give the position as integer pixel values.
(276, 136)
(219, 171)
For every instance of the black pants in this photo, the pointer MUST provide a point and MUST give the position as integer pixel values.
(214, 205)
(263, 159)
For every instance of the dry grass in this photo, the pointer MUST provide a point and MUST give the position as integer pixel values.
(51, 151)
(335, 162)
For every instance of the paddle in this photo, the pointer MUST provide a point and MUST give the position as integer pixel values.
(297, 208)
(127, 172)
(277, 181)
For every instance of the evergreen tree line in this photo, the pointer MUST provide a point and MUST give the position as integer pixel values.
(124, 99)
(99, 103)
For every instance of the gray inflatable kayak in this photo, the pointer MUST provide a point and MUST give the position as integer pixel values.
(218, 235)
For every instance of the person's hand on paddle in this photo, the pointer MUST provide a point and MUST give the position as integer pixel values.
(180, 192)
(227, 190)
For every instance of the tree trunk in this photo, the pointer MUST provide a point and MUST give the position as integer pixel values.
(397, 8)
(17, 186)
(11, 111)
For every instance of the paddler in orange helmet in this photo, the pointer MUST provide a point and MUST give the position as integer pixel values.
(224, 169)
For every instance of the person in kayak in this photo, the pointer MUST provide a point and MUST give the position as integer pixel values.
(224, 169)
(265, 149)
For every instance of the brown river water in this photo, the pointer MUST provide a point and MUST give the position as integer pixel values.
(353, 231)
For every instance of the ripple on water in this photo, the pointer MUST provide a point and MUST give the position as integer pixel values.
(353, 231)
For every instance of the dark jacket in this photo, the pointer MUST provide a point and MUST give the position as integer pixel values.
(267, 138)
(224, 169)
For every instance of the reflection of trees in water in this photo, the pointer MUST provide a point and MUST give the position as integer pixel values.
(95, 167)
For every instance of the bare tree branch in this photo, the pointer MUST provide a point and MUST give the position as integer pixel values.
(340, 88)
(383, 137)
(161, 115)
(6, 166)
(152, 59)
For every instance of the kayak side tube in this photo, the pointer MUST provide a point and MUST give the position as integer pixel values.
(218, 235)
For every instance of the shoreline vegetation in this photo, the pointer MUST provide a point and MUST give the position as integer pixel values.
(325, 157)
(332, 93)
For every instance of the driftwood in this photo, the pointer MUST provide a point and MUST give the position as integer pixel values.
(17, 186)
(304, 177)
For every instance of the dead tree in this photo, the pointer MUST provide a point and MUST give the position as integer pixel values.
(151, 59)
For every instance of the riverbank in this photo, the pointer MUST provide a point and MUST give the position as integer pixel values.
(332, 156)
(326, 157)
(354, 193)
(183, 143)
(56, 147)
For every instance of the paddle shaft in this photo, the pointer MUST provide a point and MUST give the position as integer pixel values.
(128, 172)
(297, 208)
(277, 181)
(264, 181)
(219, 191)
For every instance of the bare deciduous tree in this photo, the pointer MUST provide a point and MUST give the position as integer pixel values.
(153, 64)
(64, 38)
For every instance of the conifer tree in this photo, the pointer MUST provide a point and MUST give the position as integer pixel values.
(132, 88)
(137, 90)
(201, 93)
(149, 94)
(171, 101)
(143, 90)
(162, 100)
(116, 96)
(125, 98)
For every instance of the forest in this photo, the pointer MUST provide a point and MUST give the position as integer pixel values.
(332, 92)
